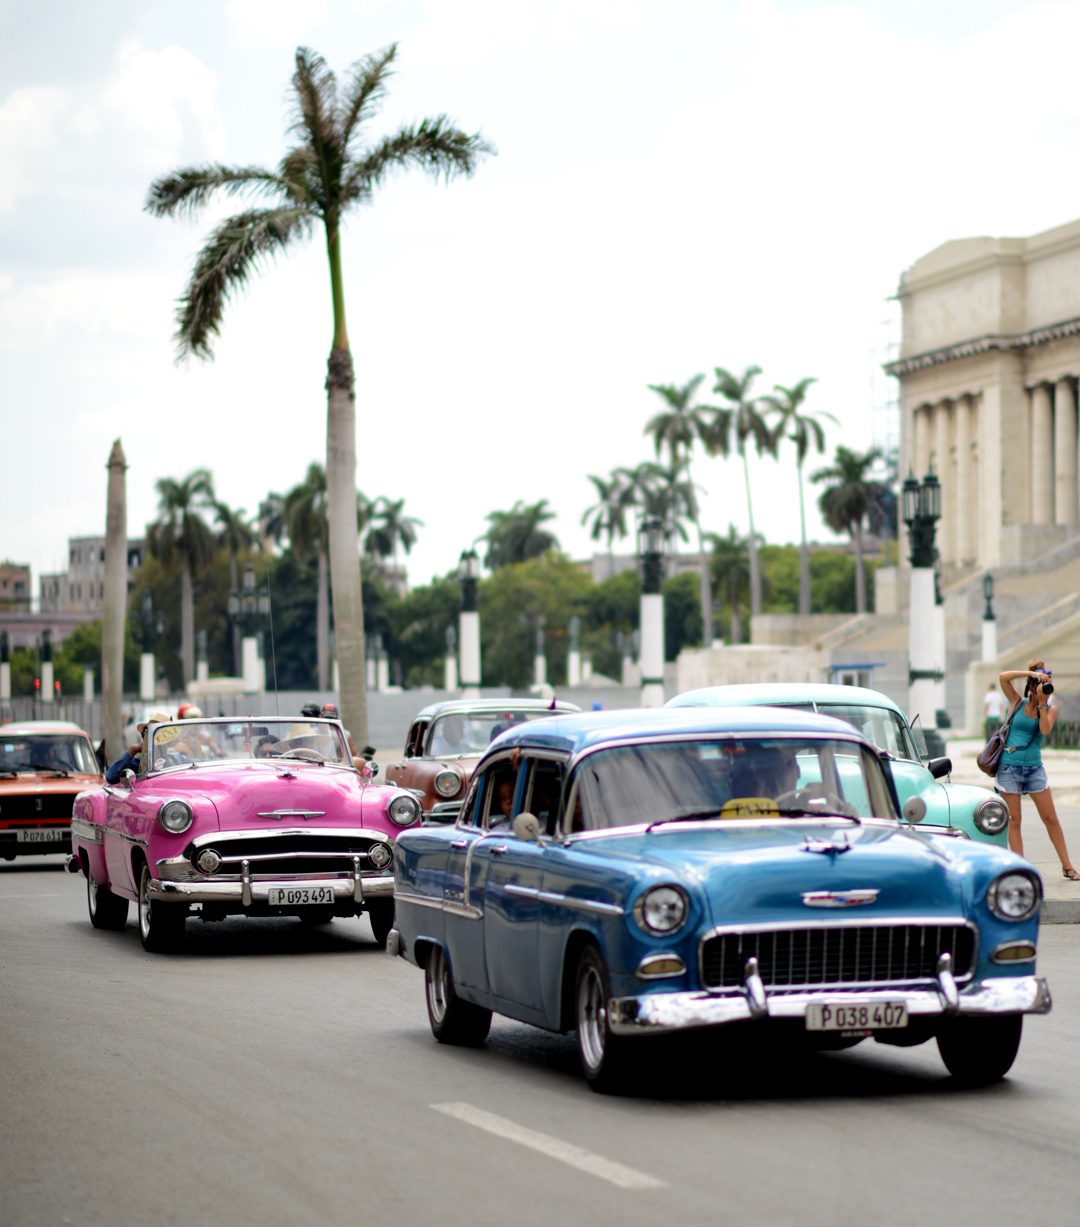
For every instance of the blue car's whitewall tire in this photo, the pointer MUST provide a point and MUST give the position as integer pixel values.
(453, 1021)
(602, 1054)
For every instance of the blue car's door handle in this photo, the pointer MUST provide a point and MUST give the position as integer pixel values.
(499, 850)
(459, 843)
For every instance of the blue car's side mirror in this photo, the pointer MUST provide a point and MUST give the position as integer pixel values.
(527, 827)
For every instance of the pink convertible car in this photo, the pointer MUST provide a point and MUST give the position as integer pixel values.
(244, 816)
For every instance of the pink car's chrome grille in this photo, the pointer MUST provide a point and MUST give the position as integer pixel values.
(301, 854)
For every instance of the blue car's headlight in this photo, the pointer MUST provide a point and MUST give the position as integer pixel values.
(662, 909)
(991, 816)
(1015, 895)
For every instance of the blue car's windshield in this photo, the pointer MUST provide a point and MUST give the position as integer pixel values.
(762, 777)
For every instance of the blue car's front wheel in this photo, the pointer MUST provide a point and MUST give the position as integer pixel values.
(602, 1054)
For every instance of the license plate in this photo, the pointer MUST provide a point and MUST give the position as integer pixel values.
(41, 835)
(856, 1016)
(293, 896)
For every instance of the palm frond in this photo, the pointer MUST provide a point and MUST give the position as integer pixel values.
(232, 254)
(185, 191)
(314, 113)
(364, 90)
(434, 145)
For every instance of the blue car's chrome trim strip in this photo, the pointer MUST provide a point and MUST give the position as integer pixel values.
(657, 1011)
(571, 901)
(448, 906)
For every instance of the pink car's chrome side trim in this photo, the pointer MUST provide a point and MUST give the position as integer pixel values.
(89, 831)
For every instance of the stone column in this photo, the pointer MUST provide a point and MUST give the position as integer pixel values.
(1064, 452)
(944, 470)
(922, 440)
(1042, 455)
(965, 487)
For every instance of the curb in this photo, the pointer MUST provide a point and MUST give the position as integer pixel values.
(1060, 912)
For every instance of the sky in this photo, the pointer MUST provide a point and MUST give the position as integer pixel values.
(679, 185)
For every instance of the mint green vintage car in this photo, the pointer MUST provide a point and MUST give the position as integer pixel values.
(959, 809)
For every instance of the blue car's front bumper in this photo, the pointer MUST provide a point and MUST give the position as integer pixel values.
(658, 1011)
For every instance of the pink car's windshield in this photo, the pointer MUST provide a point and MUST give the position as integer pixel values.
(214, 741)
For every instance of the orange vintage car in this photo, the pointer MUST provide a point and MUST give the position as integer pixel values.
(446, 740)
(44, 765)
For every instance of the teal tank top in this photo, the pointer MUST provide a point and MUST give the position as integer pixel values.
(1024, 733)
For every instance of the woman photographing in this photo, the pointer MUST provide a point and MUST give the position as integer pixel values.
(1021, 769)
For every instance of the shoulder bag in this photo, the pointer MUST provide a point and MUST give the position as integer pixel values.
(989, 758)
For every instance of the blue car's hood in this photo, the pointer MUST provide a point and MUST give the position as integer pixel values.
(759, 873)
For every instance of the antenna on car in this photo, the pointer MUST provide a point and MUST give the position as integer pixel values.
(273, 649)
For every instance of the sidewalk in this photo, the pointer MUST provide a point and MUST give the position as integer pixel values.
(1062, 903)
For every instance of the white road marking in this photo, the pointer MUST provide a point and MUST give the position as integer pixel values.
(554, 1148)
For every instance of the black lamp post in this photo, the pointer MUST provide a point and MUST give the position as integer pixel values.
(469, 578)
(921, 509)
(651, 542)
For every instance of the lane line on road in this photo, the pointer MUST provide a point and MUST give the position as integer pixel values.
(566, 1152)
(34, 894)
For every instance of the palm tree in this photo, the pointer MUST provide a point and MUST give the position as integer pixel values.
(235, 535)
(181, 532)
(803, 429)
(329, 170)
(730, 563)
(608, 513)
(516, 535)
(847, 499)
(679, 427)
(749, 425)
(662, 491)
(305, 512)
(389, 528)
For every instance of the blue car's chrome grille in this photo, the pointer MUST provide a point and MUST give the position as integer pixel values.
(841, 954)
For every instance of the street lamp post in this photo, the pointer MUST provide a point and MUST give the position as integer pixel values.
(253, 675)
(202, 660)
(153, 627)
(540, 656)
(5, 668)
(651, 542)
(450, 679)
(921, 504)
(573, 658)
(46, 666)
(469, 625)
(989, 623)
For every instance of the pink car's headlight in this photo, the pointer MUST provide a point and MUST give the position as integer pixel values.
(175, 817)
(404, 810)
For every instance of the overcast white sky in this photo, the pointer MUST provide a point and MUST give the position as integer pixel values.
(680, 184)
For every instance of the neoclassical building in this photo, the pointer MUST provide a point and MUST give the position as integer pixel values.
(988, 372)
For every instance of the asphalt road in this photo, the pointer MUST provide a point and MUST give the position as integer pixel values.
(272, 1075)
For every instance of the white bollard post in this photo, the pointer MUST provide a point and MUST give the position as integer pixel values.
(88, 685)
(382, 672)
(989, 639)
(939, 656)
(5, 681)
(922, 655)
(652, 649)
(147, 677)
(337, 677)
(450, 681)
(249, 655)
(586, 666)
(469, 651)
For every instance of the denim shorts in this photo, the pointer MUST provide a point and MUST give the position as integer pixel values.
(1021, 779)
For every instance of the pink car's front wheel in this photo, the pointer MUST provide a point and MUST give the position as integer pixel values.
(161, 925)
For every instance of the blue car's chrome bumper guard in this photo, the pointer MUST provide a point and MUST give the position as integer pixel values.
(656, 1012)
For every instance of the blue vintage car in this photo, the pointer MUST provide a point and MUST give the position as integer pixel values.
(628, 873)
(973, 811)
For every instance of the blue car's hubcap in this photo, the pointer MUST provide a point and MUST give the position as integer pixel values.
(437, 984)
(592, 1018)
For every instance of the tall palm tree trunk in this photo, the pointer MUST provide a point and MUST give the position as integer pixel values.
(860, 574)
(187, 622)
(804, 556)
(237, 646)
(341, 507)
(755, 574)
(322, 622)
(114, 605)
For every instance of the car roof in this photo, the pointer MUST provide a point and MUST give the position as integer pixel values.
(754, 693)
(19, 728)
(494, 705)
(575, 733)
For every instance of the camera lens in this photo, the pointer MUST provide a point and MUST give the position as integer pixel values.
(1048, 688)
